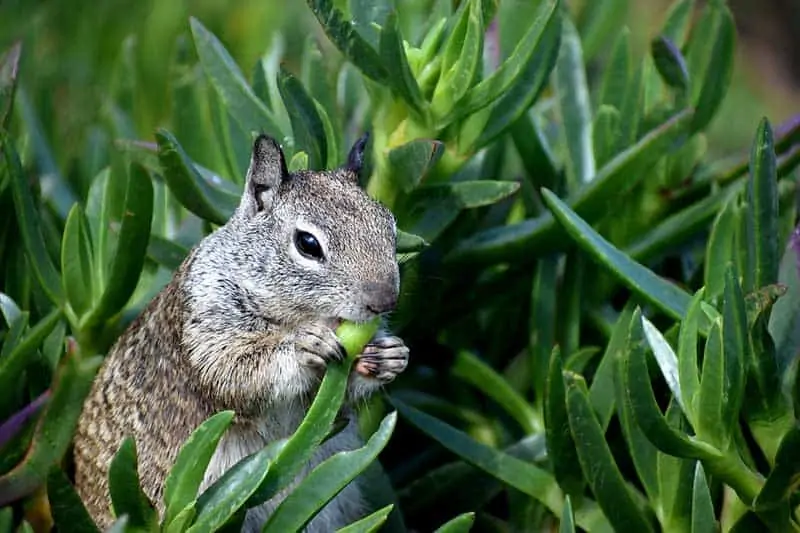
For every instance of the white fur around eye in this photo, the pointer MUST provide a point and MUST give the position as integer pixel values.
(317, 232)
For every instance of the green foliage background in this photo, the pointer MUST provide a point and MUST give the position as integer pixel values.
(598, 246)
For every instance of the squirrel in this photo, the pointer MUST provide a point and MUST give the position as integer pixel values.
(247, 323)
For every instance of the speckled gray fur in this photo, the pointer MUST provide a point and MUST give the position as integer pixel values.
(246, 324)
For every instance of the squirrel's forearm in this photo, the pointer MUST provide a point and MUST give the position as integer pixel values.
(249, 371)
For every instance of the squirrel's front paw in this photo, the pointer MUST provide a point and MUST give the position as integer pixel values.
(383, 359)
(317, 345)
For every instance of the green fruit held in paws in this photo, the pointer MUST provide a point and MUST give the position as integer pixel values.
(355, 336)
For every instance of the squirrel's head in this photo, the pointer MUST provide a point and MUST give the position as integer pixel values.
(312, 244)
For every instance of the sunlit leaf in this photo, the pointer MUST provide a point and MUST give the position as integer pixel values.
(69, 513)
(460, 524)
(127, 496)
(661, 293)
(344, 35)
(226, 78)
(703, 520)
(599, 467)
(369, 523)
(307, 126)
(188, 470)
(326, 480)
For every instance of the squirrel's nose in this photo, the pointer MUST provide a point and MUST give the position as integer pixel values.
(381, 297)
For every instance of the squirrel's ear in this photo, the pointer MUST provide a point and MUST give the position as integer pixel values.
(355, 159)
(266, 172)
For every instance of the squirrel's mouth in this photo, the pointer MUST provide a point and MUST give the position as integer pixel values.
(333, 322)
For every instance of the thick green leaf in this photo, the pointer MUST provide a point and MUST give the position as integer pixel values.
(299, 161)
(643, 452)
(166, 253)
(703, 520)
(643, 402)
(54, 429)
(409, 163)
(55, 191)
(314, 428)
(598, 20)
(633, 107)
(617, 75)
(13, 337)
(561, 447)
(711, 398)
(468, 194)
(688, 372)
(762, 207)
(66, 507)
(127, 496)
(670, 62)
(29, 222)
(189, 186)
(408, 242)
(515, 102)
(601, 391)
(719, 250)
(661, 293)
(394, 59)
(226, 78)
(534, 151)
(369, 17)
(182, 520)
(307, 126)
(735, 346)
(710, 59)
(542, 323)
(6, 519)
(590, 202)
(601, 472)
(369, 523)
(461, 59)
(186, 475)
(784, 479)
(20, 342)
(521, 61)
(574, 105)
(675, 477)
(784, 321)
(681, 227)
(665, 357)
(230, 493)
(326, 480)
(134, 234)
(567, 524)
(9, 67)
(523, 476)
(438, 490)
(477, 373)
(460, 524)
(77, 260)
(676, 23)
(605, 133)
(343, 34)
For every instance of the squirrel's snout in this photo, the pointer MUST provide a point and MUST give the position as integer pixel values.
(381, 297)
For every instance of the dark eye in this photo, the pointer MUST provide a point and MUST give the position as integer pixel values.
(308, 245)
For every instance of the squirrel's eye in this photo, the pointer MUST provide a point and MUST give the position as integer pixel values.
(308, 245)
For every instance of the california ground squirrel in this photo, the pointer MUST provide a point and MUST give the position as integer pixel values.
(247, 323)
